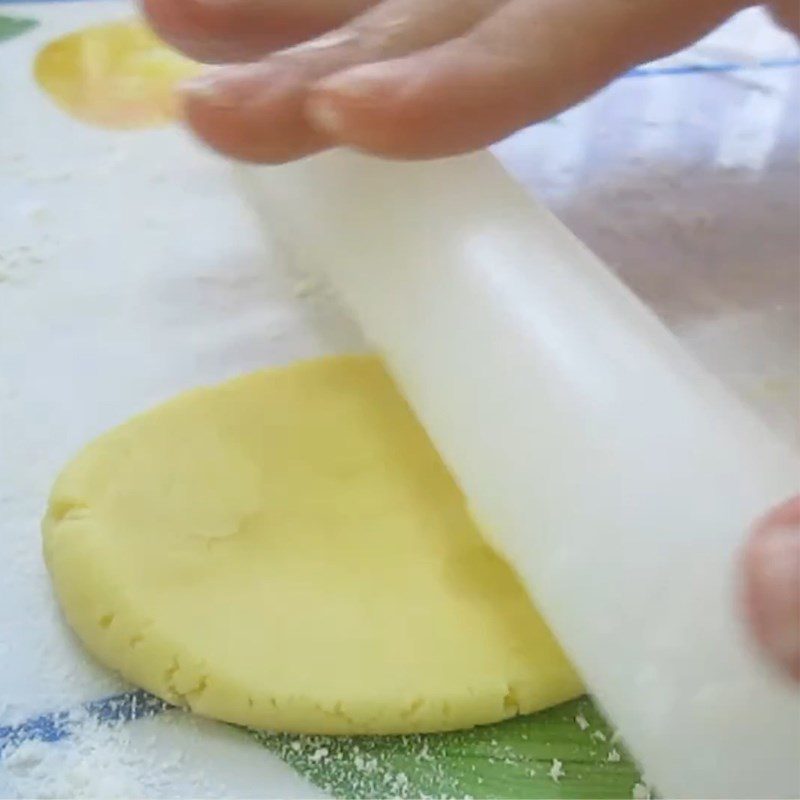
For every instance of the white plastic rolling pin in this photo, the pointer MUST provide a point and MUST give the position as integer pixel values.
(613, 472)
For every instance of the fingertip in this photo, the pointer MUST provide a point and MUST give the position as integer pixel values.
(771, 573)
(249, 113)
(787, 513)
(386, 109)
(325, 115)
(335, 104)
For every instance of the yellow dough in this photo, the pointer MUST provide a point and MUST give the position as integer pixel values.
(287, 551)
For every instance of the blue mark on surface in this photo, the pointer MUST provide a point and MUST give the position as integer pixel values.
(695, 69)
(58, 725)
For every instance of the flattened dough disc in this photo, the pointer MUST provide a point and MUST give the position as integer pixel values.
(287, 551)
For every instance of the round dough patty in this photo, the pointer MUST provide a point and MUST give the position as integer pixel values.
(287, 551)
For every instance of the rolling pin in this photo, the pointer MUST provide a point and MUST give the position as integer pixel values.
(615, 475)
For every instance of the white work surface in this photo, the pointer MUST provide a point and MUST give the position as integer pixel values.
(130, 270)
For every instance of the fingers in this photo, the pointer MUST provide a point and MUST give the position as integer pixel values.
(772, 586)
(426, 78)
(216, 31)
(787, 14)
(526, 62)
(258, 112)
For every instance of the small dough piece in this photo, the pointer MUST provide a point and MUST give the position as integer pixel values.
(287, 551)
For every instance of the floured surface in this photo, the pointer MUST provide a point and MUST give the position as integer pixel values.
(129, 272)
(173, 755)
(287, 551)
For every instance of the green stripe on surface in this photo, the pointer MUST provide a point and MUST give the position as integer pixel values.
(565, 752)
(14, 26)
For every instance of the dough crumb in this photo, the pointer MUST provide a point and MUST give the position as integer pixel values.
(582, 722)
(614, 756)
(556, 770)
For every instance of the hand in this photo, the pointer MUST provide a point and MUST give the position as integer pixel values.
(427, 78)
(409, 78)
(772, 586)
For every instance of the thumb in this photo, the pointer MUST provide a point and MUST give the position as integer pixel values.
(772, 585)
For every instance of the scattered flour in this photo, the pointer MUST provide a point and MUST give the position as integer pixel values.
(640, 792)
(581, 722)
(556, 770)
(395, 767)
(97, 760)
